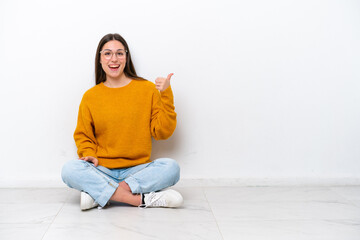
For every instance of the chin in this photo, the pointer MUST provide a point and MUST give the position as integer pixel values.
(114, 75)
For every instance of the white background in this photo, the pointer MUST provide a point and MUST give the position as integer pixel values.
(263, 89)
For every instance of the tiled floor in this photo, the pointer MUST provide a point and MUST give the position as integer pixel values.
(208, 213)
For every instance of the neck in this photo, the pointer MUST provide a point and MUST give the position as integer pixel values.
(120, 81)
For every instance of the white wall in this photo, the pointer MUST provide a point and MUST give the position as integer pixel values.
(263, 89)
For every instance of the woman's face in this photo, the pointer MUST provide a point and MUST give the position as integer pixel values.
(113, 59)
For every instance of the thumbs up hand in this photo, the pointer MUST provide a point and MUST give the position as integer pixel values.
(163, 83)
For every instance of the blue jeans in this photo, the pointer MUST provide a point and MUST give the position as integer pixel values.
(100, 182)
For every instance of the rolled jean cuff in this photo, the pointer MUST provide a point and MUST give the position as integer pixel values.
(107, 193)
(133, 184)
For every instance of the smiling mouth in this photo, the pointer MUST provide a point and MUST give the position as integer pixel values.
(114, 67)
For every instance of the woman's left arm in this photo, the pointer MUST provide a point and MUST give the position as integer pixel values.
(163, 115)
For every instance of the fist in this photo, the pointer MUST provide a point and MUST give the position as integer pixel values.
(163, 83)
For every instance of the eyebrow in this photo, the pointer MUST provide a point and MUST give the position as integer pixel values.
(116, 50)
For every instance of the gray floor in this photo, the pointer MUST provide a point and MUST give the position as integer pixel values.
(208, 213)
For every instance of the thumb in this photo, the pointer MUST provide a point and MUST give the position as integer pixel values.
(169, 76)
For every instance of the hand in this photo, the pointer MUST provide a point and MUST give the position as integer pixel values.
(163, 83)
(91, 159)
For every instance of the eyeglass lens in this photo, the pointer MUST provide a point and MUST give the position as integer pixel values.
(107, 54)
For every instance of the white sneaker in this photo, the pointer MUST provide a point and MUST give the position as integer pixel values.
(168, 198)
(87, 202)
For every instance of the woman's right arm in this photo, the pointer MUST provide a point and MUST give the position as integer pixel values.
(84, 133)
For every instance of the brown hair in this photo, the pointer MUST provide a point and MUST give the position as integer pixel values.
(129, 69)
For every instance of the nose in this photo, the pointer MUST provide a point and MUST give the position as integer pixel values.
(114, 58)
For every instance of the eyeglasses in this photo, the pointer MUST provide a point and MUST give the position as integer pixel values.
(108, 54)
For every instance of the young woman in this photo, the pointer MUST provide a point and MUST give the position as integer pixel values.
(117, 118)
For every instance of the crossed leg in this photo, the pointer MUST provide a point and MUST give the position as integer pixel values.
(154, 176)
(123, 194)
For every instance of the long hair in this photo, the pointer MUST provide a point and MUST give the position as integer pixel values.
(129, 69)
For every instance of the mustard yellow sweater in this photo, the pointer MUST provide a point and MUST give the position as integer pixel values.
(115, 125)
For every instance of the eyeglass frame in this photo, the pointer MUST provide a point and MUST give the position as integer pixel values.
(112, 53)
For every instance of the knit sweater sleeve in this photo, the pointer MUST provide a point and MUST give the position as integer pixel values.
(84, 133)
(163, 116)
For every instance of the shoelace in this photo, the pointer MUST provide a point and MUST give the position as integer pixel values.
(154, 199)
